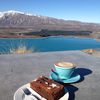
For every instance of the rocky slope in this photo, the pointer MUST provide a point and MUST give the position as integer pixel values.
(15, 19)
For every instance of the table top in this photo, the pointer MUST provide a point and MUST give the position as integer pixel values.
(17, 70)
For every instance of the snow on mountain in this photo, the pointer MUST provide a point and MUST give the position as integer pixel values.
(13, 12)
(1, 14)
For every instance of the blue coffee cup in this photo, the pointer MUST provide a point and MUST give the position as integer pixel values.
(64, 69)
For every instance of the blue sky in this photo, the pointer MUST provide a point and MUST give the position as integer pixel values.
(81, 10)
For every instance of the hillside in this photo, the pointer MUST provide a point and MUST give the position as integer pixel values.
(37, 22)
(19, 22)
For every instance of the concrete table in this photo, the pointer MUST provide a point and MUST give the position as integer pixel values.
(17, 70)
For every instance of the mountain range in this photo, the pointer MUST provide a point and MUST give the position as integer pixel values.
(16, 19)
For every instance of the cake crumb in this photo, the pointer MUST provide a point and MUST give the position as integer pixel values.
(49, 88)
(35, 79)
(46, 82)
(41, 76)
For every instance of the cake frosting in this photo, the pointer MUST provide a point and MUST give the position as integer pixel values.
(47, 88)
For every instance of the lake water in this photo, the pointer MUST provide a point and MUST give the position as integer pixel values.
(48, 44)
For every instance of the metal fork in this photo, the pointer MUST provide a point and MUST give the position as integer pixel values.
(28, 92)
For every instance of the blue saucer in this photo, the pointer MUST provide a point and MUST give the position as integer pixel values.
(72, 79)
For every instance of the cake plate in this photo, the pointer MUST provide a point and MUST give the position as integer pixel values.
(19, 94)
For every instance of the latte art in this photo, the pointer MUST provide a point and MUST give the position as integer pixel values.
(65, 64)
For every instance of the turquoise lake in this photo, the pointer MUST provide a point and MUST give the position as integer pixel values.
(48, 44)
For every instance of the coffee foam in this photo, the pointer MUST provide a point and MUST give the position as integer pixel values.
(65, 64)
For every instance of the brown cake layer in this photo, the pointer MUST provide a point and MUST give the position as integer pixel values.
(47, 88)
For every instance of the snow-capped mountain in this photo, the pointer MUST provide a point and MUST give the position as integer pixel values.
(13, 12)
(38, 22)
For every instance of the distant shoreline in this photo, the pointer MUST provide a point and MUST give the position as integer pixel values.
(43, 33)
(47, 33)
(43, 36)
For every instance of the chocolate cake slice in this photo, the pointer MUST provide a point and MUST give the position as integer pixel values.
(47, 88)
